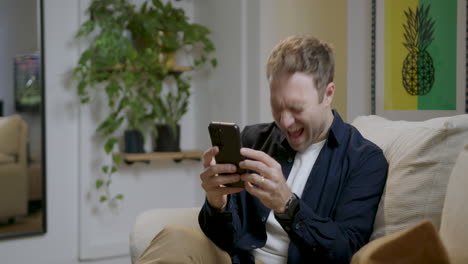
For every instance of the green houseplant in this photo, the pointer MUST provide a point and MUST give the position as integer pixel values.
(164, 28)
(128, 60)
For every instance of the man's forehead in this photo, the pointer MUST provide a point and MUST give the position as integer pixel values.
(293, 100)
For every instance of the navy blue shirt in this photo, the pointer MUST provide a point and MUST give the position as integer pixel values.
(336, 211)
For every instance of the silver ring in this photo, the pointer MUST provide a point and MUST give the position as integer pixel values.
(263, 179)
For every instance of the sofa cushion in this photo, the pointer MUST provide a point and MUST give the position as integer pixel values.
(417, 244)
(421, 156)
(9, 134)
(454, 224)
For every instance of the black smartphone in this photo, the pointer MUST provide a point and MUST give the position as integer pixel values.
(226, 136)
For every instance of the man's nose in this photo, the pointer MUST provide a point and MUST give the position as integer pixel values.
(287, 119)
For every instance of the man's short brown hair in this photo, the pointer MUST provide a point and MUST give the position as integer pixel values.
(304, 54)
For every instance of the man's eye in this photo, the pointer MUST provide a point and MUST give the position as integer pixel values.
(296, 110)
(275, 109)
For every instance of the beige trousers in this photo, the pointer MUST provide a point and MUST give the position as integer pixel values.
(182, 244)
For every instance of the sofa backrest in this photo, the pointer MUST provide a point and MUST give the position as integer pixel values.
(421, 156)
(454, 222)
(12, 130)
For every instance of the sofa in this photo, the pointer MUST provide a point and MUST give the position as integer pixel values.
(422, 208)
(13, 167)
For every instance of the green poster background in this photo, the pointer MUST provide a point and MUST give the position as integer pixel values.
(443, 51)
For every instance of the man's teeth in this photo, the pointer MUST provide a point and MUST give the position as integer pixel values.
(293, 130)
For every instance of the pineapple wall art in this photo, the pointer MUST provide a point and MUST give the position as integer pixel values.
(419, 54)
(418, 71)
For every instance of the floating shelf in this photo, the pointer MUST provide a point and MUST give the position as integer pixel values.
(176, 156)
(175, 69)
(181, 69)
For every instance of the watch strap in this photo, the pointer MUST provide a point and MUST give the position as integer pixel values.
(291, 206)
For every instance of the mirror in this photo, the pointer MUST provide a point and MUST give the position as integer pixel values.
(22, 124)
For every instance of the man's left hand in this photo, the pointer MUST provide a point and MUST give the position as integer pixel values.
(271, 187)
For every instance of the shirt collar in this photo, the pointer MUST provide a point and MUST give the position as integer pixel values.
(336, 131)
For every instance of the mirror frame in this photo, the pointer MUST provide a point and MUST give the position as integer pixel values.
(42, 112)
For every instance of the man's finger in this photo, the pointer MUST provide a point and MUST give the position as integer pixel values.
(260, 156)
(224, 179)
(259, 180)
(213, 170)
(228, 190)
(256, 166)
(255, 191)
(208, 156)
(218, 187)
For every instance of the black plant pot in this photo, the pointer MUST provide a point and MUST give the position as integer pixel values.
(134, 141)
(167, 140)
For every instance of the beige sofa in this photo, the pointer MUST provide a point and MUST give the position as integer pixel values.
(13, 167)
(425, 160)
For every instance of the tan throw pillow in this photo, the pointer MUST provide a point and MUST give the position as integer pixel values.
(9, 134)
(454, 225)
(419, 244)
(421, 156)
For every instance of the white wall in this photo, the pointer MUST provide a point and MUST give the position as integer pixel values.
(359, 58)
(224, 18)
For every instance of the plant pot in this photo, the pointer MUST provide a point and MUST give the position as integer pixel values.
(134, 141)
(170, 59)
(167, 140)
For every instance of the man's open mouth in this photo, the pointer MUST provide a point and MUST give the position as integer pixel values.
(295, 133)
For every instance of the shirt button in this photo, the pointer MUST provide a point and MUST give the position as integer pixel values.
(298, 226)
(253, 246)
(290, 160)
(263, 219)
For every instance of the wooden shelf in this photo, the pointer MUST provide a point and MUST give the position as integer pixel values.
(181, 69)
(176, 156)
(175, 69)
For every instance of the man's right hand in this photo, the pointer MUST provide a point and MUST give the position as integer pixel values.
(213, 183)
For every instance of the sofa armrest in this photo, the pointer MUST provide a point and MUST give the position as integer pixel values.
(149, 223)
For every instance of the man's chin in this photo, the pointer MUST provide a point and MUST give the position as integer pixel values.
(296, 145)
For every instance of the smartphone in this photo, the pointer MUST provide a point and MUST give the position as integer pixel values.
(226, 136)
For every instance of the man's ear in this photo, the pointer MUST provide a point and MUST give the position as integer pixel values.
(329, 93)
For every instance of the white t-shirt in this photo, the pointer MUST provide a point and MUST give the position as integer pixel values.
(275, 250)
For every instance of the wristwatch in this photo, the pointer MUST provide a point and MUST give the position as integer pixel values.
(291, 207)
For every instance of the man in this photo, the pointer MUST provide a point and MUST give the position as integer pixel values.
(319, 209)
(314, 183)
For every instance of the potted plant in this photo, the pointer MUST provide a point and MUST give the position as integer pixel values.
(129, 61)
(166, 29)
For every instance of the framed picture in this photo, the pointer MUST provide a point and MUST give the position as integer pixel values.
(419, 52)
(27, 81)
